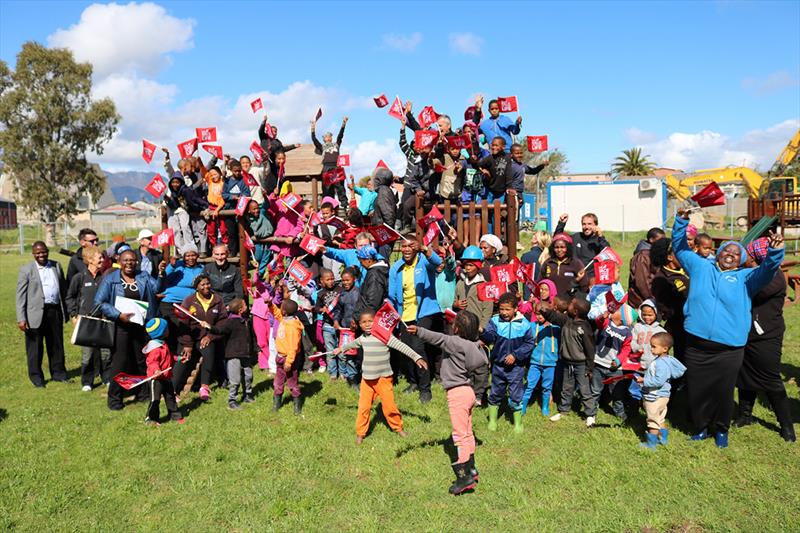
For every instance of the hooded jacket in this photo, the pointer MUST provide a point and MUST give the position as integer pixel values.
(385, 208)
(424, 284)
(184, 197)
(374, 289)
(719, 304)
(642, 333)
(467, 289)
(656, 378)
(512, 337)
(577, 341)
(546, 336)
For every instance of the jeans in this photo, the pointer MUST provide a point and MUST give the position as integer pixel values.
(180, 225)
(237, 367)
(575, 373)
(546, 373)
(337, 364)
(617, 391)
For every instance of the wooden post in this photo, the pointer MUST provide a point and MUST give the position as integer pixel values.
(460, 224)
(473, 225)
(497, 219)
(484, 220)
(314, 192)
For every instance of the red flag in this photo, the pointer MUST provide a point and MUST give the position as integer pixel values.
(299, 273)
(187, 148)
(319, 114)
(524, 272)
(504, 274)
(381, 164)
(312, 244)
(148, 149)
(275, 267)
(315, 220)
(608, 254)
(214, 150)
(425, 139)
(490, 291)
(381, 101)
(156, 186)
(537, 143)
(383, 234)
(605, 272)
(432, 216)
(206, 135)
(332, 176)
(248, 242)
(291, 200)
(128, 381)
(268, 130)
(255, 148)
(459, 141)
(335, 222)
(343, 161)
(346, 336)
(710, 195)
(427, 116)
(449, 315)
(165, 237)
(386, 319)
(249, 180)
(508, 104)
(396, 110)
(256, 104)
(241, 205)
(430, 234)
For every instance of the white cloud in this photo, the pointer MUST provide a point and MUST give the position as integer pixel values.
(774, 82)
(708, 149)
(403, 43)
(365, 156)
(125, 38)
(637, 136)
(466, 43)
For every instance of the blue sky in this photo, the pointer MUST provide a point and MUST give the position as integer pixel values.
(695, 84)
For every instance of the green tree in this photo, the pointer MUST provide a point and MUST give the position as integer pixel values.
(48, 124)
(633, 163)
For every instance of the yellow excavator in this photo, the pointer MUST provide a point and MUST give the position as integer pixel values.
(773, 186)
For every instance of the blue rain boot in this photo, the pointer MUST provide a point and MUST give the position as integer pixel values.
(721, 439)
(703, 435)
(664, 434)
(650, 443)
(545, 404)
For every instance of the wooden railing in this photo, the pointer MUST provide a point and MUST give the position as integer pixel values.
(472, 220)
(786, 209)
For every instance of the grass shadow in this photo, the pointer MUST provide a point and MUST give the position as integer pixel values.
(263, 386)
(3, 414)
(187, 408)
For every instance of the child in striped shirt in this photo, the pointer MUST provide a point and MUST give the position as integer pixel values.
(376, 376)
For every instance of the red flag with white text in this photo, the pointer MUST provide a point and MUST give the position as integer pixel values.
(256, 105)
(427, 116)
(343, 160)
(156, 186)
(381, 101)
(490, 291)
(312, 244)
(148, 150)
(214, 150)
(537, 143)
(425, 139)
(396, 110)
(206, 135)
(508, 104)
(710, 195)
(386, 319)
(430, 217)
(188, 147)
(504, 274)
(165, 237)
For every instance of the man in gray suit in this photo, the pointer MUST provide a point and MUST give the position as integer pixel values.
(41, 313)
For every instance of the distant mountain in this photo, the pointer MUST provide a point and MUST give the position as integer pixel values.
(133, 194)
(129, 184)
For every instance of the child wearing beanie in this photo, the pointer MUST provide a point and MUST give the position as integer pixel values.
(159, 364)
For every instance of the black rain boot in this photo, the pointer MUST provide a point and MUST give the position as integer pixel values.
(276, 403)
(746, 401)
(472, 470)
(780, 405)
(463, 480)
(298, 406)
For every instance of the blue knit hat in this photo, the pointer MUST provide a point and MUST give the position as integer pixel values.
(156, 328)
(367, 252)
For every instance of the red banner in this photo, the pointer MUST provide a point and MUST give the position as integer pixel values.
(432, 216)
(214, 150)
(312, 244)
(710, 195)
(381, 164)
(335, 222)
(248, 242)
(504, 274)
(524, 272)
(156, 186)
(256, 105)
(148, 150)
(608, 254)
(241, 205)
(346, 336)
(430, 233)
(381, 101)
(249, 180)
(427, 116)
(206, 135)
(490, 291)
(508, 104)
(333, 176)
(605, 272)
(537, 143)
(425, 139)
(128, 381)
(459, 141)
(386, 319)
(165, 237)
(291, 200)
(187, 148)
(299, 273)
(343, 161)
(396, 110)
(383, 234)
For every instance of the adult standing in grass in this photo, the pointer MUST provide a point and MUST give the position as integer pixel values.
(80, 301)
(717, 325)
(761, 368)
(41, 312)
(130, 337)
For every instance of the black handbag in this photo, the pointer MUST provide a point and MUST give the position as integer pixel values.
(93, 331)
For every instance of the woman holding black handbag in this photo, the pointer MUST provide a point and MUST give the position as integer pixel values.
(130, 337)
(80, 301)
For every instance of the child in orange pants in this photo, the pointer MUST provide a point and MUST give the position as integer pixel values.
(376, 376)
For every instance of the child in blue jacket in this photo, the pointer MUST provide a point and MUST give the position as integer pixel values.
(656, 388)
(510, 332)
(543, 362)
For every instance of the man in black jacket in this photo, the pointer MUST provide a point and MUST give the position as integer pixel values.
(385, 209)
(86, 237)
(588, 242)
(225, 278)
(375, 287)
(149, 258)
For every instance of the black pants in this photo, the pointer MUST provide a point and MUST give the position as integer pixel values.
(711, 372)
(414, 374)
(181, 371)
(167, 312)
(127, 356)
(410, 207)
(233, 235)
(158, 388)
(51, 331)
(336, 191)
(761, 372)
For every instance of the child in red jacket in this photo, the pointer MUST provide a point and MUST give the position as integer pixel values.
(159, 364)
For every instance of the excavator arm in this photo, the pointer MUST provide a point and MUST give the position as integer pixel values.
(786, 157)
(680, 184)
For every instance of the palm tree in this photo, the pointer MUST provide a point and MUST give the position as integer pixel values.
(633, 163)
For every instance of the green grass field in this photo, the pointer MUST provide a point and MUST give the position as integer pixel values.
(69, 464)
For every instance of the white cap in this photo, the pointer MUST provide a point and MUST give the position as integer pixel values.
(145, 234)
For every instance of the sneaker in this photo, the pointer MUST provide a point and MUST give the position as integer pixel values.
(204, 393)
(86, 388)
(233, 405)
(556, 417)
(589, 421)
